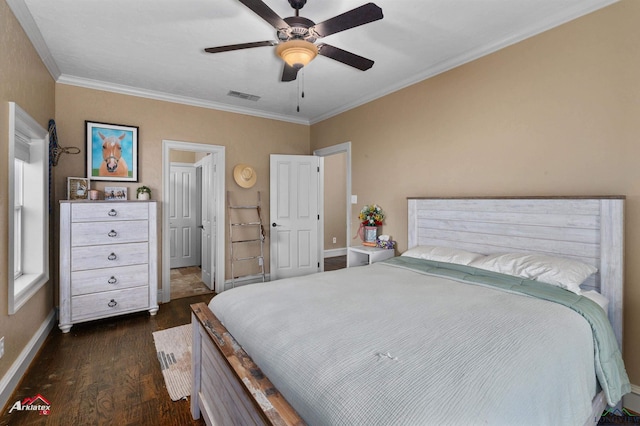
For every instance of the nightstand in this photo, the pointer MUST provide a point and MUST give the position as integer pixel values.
(363, 255)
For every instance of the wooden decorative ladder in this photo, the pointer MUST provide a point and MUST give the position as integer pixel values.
(246, 240)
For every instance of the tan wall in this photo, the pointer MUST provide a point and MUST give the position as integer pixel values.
(246, 139)
(25, 81)
(558, 114)
(335, 204)
(177, 156)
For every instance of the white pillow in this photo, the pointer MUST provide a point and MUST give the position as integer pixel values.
(442, 254)
(598, 298)
(558, 271)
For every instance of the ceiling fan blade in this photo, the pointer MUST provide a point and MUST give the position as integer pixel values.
(353, 18)
(345, 57)
(289, 73)
(239, 46)
(265, 12)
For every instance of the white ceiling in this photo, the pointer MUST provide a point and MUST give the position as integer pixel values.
(154, 48)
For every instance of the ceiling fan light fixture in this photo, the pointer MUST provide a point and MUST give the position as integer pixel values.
(297, 53)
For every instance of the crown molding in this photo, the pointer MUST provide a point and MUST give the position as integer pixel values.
(168, 97)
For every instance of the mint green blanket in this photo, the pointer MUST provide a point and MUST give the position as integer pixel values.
(608, 359)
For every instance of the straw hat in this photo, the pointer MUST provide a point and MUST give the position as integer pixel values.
(244, 175)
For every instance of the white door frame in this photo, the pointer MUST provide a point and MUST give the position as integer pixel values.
(325, 152)
(219, 163)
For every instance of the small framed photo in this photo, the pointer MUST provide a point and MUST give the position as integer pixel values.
(115, 193)
(77, 188)
(112, 152)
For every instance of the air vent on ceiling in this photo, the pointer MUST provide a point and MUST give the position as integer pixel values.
(241, 95)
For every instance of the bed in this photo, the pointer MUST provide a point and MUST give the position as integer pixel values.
(427, 340)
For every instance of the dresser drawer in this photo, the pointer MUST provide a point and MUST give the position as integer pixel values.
(109, 303)
(93, 281)
(95, 233)
(90, 212)
(109, 256)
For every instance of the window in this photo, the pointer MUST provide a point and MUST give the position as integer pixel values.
(29, 207)
(17, 219)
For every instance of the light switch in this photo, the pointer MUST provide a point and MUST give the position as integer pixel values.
(354, 199)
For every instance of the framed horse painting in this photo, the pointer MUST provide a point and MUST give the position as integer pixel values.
(112, 152)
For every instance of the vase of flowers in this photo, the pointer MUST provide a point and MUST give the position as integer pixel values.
(371, 217)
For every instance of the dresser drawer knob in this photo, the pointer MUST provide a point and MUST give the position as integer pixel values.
(112, 212)
(112, 256)
(112, 233)
(112, 304)
(112, 280)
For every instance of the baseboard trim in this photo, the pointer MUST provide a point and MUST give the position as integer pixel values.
(335, 252)
(631, 400)
(12, 378)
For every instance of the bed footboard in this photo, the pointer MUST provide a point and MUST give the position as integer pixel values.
(228, 387)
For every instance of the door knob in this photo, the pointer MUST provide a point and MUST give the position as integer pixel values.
(275, 224)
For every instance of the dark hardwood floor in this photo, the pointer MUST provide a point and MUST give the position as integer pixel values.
(333, 263)
(105, 373)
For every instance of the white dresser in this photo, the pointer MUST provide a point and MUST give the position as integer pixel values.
(108, 259)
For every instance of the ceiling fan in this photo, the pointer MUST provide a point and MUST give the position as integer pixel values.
(297, 36)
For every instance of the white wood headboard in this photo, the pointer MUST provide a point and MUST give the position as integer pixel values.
(589, 229)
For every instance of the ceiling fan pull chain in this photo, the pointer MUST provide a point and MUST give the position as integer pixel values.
(299, 81)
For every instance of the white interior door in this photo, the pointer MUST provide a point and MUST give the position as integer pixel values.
(184, 235)
(207, 227)
(294, 215)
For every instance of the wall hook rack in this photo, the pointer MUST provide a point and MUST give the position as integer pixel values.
(55, 150)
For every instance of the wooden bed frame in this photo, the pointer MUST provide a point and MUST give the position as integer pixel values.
(228, 388)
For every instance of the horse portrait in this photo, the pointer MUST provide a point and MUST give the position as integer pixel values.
(112, 152)
(113, 164)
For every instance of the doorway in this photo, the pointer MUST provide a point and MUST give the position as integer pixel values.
(205, 235)
(336, 204)
(186, 258)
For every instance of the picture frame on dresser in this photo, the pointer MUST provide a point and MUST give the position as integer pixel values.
(78, 188)
(115, 193)
(112, 151)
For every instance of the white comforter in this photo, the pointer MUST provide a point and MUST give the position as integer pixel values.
(380, 345)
